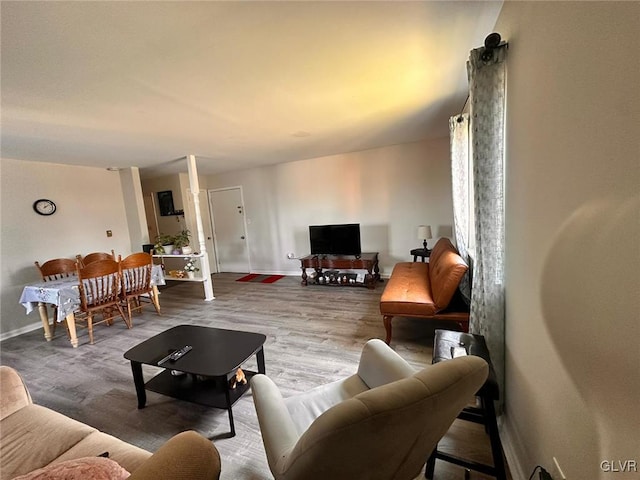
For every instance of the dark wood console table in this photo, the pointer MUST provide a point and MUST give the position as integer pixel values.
(365, 261)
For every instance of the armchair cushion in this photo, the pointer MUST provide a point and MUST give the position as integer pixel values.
(306, 407)
(380, 365)
(50, 433)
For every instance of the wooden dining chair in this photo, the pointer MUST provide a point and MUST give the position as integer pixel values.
(136, 282)
(94, 257)
(100, 286)
(56, 269)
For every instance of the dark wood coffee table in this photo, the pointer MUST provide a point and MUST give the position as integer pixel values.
(213, 361)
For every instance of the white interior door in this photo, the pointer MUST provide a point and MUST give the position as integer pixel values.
(229, 230)
(206, 226)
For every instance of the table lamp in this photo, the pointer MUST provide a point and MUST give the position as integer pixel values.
(424, 233)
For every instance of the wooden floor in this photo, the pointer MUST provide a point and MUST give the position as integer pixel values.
(314, 336)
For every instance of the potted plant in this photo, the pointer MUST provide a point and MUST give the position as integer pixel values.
(181, 241)
(164, 244)
(190, 267)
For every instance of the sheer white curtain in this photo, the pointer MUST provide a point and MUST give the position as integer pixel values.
(487, 90)
(485, 126)
(459, 139)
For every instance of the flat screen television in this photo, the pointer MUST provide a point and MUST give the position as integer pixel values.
(341, 239)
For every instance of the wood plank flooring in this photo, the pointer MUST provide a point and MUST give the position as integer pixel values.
(314, 336)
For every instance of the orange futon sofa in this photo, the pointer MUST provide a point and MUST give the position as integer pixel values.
(427, 290)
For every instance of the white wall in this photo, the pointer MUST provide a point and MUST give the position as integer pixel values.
(573, 177)
(90, 202)
(389, 191)
(171, 224)
(136, 218)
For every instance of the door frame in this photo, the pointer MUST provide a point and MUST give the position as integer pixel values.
(213, 223)
(207, 228)
(151, 216)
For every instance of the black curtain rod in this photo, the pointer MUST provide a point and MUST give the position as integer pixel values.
(459, 119)
(491, 42)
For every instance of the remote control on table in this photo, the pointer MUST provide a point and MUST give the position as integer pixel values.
(179, 353)
(176, 355)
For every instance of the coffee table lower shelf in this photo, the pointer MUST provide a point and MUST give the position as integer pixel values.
(208, 391)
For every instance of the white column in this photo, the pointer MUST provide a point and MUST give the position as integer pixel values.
(204, 260)
(135, 211)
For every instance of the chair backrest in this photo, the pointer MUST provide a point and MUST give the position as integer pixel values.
(99, 284)
(388, 431)
(94, 257)
(136, 273)
(56, 269)
(446, 269)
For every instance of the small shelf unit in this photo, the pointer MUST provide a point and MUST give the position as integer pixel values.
(163, 256)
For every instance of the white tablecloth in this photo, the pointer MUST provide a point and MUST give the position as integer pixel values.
(64, 293)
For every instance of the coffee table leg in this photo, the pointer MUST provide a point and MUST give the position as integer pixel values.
(138, 380)
(228, 397)
(260, 358)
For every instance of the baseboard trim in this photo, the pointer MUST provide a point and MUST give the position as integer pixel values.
(19, 331)
(274, 272)
(509, 443)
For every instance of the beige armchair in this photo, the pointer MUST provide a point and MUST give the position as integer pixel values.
(380, 423)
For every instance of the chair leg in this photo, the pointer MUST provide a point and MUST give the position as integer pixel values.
(156, 304)
(494, 438)
(129, 312)
(54, 323)
(123, 315)
(431, 465)
(154, 298)
(108, 316)
(90, 327)
(66, 327)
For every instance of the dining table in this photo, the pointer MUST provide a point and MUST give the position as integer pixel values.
(65, 295)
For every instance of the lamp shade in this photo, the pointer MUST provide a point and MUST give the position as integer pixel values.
(424, 232)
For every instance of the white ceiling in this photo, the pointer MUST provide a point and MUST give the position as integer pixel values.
(238, 84)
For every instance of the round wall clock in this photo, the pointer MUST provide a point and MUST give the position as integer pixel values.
(44, 207)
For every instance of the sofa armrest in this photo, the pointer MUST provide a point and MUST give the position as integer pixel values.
(278, 430)
(187, 455)
(380, 364)
(15, 394)
(446, 269)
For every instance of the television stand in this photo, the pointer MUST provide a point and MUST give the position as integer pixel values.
(320, 262)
